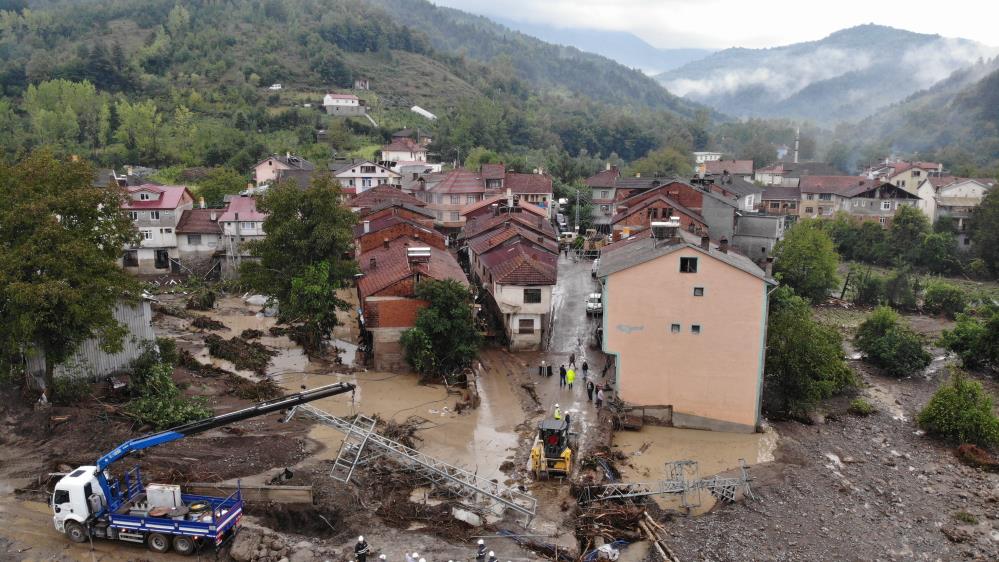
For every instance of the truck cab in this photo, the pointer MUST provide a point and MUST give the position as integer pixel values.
(77, 497)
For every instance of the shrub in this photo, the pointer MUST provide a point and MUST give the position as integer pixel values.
(890, 345)
(160, 402)
(974, 340)
(944, 298)
(966, 518)
(961, 412)
(869, 290)
(67, 390)
(860, 407)
(202, 299)
(167, 350)
(902, 289)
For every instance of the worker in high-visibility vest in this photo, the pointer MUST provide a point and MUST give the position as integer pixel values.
(558, 413)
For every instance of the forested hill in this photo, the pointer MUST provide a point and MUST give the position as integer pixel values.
(553, 68)
(162, 83)
(955, 122)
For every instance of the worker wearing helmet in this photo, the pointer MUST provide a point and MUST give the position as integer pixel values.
(361, 550)
(492, 557)
(381, 557)
(557, 414)
(480, 554)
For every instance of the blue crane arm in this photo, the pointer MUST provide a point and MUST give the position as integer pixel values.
(181, 431)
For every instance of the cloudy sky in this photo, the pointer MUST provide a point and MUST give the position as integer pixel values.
(717, 24)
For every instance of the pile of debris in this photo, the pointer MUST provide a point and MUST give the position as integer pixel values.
(206, 323)
(202, 299)
(245, 355)
(258, 544)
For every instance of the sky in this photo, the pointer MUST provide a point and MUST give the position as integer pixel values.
(718, 24)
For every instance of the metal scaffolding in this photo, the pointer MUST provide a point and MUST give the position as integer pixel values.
(360, 433)
(681, 479)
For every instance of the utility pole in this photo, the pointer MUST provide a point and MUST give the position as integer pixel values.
(575, 224)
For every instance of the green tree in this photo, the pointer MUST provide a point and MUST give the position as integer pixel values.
(61, 240)
(663, 162)
(945, 298)
(304, 259)
(984, 229)
(805, 260)
(961, 412)
(938, 253)
(444, 339)
(975, 340)
(218, 183)
(804, 361)
(139, 129)
(479, 156)
(890, 345)
(908, 229)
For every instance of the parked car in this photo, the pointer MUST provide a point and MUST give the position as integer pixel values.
(595, 267)
(594, 304)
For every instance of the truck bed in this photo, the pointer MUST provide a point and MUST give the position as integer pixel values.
(225, 513)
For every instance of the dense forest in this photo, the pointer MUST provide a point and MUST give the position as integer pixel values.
(161, 83)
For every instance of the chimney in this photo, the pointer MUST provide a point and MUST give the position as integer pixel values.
(201, 202)
(608, 167)
(638, 174)
(768, 268)
(723, 245)
(373, 263)
(705, 242)
(367, 227)
(417, 255)
(237, 216)
(385, 243)
(214, 216)
(509, 197)
(128, 170)
(287, 155)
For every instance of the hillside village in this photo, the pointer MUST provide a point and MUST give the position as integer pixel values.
(346, 323)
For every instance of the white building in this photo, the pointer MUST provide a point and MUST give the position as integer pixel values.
(953, 198)
(404, 150)
(701, 157)
(241, 223)
(343, 104)
(156, 210)
(361, 176)
(266, 171)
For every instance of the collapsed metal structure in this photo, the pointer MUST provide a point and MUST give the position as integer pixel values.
(361, 436)
(682, 480)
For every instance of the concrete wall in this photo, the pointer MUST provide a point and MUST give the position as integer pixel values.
(387, 353)
(90, 360)
(147, 261)
(720, 218)
(712, 379)
(345, 110)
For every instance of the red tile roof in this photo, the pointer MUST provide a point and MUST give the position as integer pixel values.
(459, 181)
(528, 183)
(486, 241)
(493, 171)
(165, 197)
(199, 221)
(392, 220)
(392, 266)
(733, 167)
(900, 167)
(603, 178)
(501, 199)
(645, 203)
(381, 194)
(845, 186)
(403, 144)
(519, 265)
(245, 207)
(486, 223)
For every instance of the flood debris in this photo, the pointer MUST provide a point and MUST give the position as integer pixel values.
(206, 323)
(550, 551)
(244, 355)
(168, 310)
(975, 456)
(403, 432)
(251, 334)
(529, 387)
(201, 299)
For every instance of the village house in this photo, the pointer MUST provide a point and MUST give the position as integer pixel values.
(156, 210)
(447, 193)
(776, 200)
(608, 188)
(358, 176)
(372, 233)
(702, 308)
(497, 204)
(241, 223)
(908, 175)
(498, 219)
(638, 214)
(701, 157)
(713, 210)
(954, 199)
(867, 199)
(266, 171)
(740, 188)
(381, 194)
(769, 175)
(199, 241)
(422, 137)
(519, 279)
(386, 291)
(740, 169)
(362, 84)
(535, 189)
(344, 105)
(404, 149)
(409, 212)
(757, 234)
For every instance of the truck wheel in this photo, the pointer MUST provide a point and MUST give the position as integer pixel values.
(183, 545)
(75, 531)
(158, 542)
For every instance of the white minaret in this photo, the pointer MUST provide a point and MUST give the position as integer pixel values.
(797, 136)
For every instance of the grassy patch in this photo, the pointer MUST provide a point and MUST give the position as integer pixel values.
(965, 517)
(861, 407)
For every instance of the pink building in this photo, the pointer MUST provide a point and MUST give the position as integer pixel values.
(685, 323)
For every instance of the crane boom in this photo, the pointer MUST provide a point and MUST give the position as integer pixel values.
(206, 424)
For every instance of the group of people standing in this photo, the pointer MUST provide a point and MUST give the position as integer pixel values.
(362, 549)
(567, 377)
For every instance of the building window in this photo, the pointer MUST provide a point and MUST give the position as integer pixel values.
(455, 217)
(808, 209)
(456, 199)
(134, 215)
(194, 239)
(365, 182)
(367, 169)
(130, 259)
(886, 205)
(144, 197)
(698, 291)
(883, 220)
(809, 196)
(494, 183)
(605, 208)
(695, 329)
(605, 194)
(154, 215)
(470, 199)
(967, 240)
(775, 205)
(525, 326)
(532, 296)
(793, 206)
(675, 328)
(688, 265)
(146, 234)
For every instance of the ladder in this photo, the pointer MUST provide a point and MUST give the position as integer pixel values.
(350, 450)
(681, 479)
(360, 433)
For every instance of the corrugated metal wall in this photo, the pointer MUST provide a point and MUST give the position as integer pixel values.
(90, 360)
